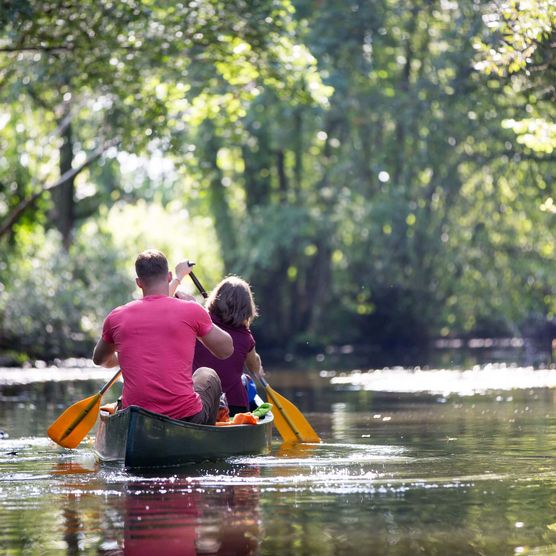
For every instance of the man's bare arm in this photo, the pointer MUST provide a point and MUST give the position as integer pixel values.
(105, 354)
(218, 342)
(182, 294)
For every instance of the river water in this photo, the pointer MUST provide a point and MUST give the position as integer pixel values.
(411, 462)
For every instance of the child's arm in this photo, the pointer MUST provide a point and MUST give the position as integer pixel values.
(254, 364)
(183, 268)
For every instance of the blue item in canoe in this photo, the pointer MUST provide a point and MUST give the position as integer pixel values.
(139, 438)
(251, 388)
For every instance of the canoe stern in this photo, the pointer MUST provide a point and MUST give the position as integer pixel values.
(141, 438)
(111, 437)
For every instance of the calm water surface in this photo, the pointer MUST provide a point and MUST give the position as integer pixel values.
(397, 473)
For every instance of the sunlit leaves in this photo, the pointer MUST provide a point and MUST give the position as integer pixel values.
(548, 206)
(535, 133)
(518, 30)
(519, 46)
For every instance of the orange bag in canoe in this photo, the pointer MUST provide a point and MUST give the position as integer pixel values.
(245, 419)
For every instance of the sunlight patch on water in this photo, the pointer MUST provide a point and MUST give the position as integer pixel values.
(35, 449)
(12, 376)
(345, 481)
(369, 473)
(323, 480)
(26, 441)
(331, 461)
(326, 454)
(477, 380)
(15, 477)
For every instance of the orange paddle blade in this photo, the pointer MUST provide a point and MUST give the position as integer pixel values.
(76, 421)
(290, 422)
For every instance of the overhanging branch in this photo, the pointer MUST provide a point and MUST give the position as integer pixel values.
(38, 48)
(16, 214)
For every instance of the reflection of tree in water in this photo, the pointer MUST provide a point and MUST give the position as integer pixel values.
(71, 527)
(72, 523)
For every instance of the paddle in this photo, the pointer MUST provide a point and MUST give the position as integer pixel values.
(77, 420)
(290, 423)
(198, 284)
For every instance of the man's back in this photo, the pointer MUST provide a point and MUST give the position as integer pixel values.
(155, 340)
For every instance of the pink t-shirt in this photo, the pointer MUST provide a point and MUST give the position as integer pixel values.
(155, 340)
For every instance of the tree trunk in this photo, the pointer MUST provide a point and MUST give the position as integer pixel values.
(298, 152)
(282, 176)
(257, 163)
(223, 218)
(13, 217)
(63, 213)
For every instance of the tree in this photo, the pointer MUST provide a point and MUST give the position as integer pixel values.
(392, 216)
(87, 81)
(127, 73)
(357, 161)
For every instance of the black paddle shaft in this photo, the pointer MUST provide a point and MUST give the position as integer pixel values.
(202, 290)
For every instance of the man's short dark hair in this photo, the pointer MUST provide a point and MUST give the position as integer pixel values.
(151, 266)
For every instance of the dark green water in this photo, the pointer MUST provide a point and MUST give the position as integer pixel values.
(396, 474)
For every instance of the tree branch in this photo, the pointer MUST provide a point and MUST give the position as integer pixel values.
(60, 48)
(16, 214)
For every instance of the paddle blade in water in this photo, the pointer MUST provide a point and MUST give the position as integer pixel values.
(289, 421)
(76, 421)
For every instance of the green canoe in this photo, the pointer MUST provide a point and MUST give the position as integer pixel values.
(140, 438)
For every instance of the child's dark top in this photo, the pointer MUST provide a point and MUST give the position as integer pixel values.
(229, 370)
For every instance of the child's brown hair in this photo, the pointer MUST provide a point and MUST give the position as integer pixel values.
(232, 302)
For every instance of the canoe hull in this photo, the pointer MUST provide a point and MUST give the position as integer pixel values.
(140, 438)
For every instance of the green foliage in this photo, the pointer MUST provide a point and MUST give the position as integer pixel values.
(271, 232)
(170, 229)
(137, 74)
(427, 222)
(53, 302)
(535, 133)
(356, 161)
(519, 36)
(518, 47)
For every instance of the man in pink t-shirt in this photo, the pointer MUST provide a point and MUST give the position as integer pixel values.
(153, 340)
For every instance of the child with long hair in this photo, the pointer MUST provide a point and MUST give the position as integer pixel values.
(231, 307)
